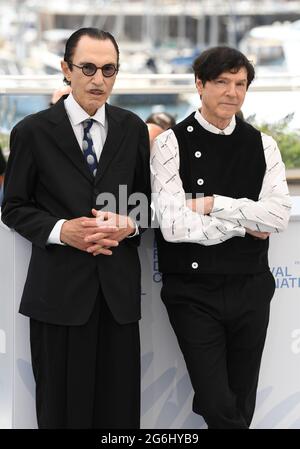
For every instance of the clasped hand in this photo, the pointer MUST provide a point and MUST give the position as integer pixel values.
(97, 235)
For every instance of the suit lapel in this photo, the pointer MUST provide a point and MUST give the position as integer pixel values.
(67, 142)
(65, 138)
(112, 143)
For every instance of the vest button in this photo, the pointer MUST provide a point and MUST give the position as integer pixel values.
(200, 182)
(190, 129)
(198, 154)
(195, 265)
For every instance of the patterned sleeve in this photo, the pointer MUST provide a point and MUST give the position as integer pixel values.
(178, 222)
(272, 210)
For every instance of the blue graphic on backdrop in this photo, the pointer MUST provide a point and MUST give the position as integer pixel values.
(173, 405)
(279, 412)
(25, 372)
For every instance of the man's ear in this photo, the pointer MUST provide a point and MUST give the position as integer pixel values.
(66, 70)
(199, 86)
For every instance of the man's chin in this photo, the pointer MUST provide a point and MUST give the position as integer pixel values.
(94, 105)
(226, 117)
(229, 113)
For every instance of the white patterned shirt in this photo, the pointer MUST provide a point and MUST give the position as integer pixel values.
(229, 216)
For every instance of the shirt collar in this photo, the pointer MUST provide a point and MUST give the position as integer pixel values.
(78, 115)
(213, 129)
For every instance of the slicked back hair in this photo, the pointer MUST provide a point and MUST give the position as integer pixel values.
(94, 33)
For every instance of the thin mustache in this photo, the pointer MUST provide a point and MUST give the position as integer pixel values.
(96, 89)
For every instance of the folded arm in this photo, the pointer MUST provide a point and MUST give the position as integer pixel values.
(272, 210)
(178, 222)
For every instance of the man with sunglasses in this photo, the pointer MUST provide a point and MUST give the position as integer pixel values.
(82, 292)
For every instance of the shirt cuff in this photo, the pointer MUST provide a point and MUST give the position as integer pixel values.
(54, 237)
(135, 233)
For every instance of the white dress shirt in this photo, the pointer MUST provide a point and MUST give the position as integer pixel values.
(99, 129)
(229, 216)
(98, 132)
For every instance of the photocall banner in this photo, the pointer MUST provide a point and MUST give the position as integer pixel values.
(166, 389)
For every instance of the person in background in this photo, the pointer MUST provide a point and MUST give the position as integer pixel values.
(158, 122)
(2, 172)
(219, 190)
(58, 93)
(83, 287)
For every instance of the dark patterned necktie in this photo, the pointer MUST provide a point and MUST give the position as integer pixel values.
(88, 146)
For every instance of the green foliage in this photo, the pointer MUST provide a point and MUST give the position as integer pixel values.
(287, 140)
(4, 142)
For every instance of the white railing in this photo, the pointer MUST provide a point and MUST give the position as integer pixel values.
(141, 83)
(194, 8)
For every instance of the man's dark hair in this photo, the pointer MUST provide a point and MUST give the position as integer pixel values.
(94, 33)
(162, 119)
(216, 60)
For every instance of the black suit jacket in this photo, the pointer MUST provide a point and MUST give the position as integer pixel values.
(47, 179)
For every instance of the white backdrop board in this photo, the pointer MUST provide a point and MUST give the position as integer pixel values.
(166, 389)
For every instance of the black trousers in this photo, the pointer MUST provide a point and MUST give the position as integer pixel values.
(87, 376)
(221, 322)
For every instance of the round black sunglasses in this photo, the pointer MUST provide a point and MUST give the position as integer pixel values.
(89, 69)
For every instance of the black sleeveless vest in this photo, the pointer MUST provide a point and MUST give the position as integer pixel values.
(230, 165)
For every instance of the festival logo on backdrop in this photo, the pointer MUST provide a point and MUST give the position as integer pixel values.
(287, 276)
